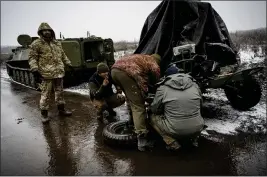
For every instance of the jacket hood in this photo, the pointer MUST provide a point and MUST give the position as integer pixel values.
(45, 26)
(179, 81)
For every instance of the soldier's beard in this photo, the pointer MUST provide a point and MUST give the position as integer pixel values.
(47, 37)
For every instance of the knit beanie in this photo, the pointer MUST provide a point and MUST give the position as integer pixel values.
(102, 68)
(157, 57)
(171, 70)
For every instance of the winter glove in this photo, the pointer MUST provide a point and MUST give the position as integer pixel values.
(71, 68)
(120, 97)
(36, 74)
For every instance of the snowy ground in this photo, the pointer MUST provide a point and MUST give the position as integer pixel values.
(248, 56)
(219, 116)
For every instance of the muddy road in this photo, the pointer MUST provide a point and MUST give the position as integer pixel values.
(74, 145)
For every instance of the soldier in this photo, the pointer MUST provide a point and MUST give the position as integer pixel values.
(136, 74)
(102, 95)
(176, 109)
(46, 60)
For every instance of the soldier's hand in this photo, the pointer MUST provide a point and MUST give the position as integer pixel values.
(105, 82)
(120, 97)
(36, 74)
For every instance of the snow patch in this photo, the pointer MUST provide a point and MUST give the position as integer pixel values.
(4, 74)
(120, 54)
(252, 54)
(220, 117)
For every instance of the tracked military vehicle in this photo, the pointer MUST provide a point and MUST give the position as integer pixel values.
(84, 54)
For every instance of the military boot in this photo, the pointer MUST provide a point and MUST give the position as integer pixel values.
(174, 146)
(112, 115)
(143, 143)
(112, 112)
(44, 118)
(62, 111)
(195, 142)
(105, 117)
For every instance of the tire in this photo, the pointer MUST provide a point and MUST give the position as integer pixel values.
(113, 135)
(244, 94)
(32, 80)
(17, 76)
(21, 77)
(14, 75)
(26, 77)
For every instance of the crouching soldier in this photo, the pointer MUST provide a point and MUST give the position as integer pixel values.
(102, 95)
(176, 109)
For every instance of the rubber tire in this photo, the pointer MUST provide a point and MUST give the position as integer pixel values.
(21, 77)
(250, 92)
(14, 75)
(17, 76)
(26, 78)
(113, 138)
(32, 80)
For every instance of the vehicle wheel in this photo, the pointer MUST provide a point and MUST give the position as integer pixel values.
(17, 76)
(13, 74)
(32, 81)
(243, 94)
(115, 134)
(26, 78)
(21, 77)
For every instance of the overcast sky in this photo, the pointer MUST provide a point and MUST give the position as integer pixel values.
(119, 20)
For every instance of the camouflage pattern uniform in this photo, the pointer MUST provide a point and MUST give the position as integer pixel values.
(49, 59)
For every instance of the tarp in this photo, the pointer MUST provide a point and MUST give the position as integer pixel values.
(174, 23)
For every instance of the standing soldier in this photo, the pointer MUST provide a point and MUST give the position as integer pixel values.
(46, 60)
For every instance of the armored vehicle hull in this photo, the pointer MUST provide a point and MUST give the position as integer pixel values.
(84, 54)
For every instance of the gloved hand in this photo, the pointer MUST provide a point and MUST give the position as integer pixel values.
(120, 96)
(71, 68)
(36, 74)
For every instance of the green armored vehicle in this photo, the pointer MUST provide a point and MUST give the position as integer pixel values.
(84, 54)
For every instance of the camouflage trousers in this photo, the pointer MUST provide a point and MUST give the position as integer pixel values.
(47, 87)
(107, 103)
(135, 98)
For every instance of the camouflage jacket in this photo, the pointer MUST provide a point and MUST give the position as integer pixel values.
(142, 68)
(48, 58)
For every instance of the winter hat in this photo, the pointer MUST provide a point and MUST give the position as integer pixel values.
(157, 57)
(102, 68)
(171, 70)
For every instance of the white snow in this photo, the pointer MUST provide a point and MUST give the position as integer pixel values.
(75, 90)
(120, 54)
(248, 56)
(226, 120)
(4, 74)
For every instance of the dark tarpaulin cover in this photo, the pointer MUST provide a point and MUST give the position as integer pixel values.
(174, 23)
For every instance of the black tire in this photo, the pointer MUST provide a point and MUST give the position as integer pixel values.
(243, 94)
(32, 80)
(113, 135)
(17, 76)
(21, 77)
(14, 75)
(26, 77)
